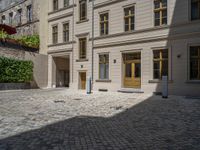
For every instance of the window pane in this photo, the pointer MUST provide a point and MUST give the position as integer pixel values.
(193, 51)
(164, 3)
(107, 71)
(102, 71)
(156, 54)
(195, 10)
(165, 68)
(194, 69)
(137, 70)
(156, 4)
(104, 66)
(128, 68)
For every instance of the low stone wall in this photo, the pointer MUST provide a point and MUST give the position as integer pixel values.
(40, 69)
(14, 86)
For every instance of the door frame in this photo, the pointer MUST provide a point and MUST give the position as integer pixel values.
(133, 61)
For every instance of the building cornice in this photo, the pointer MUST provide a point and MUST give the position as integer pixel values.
(146, 30)
(108, 2)
(60, 17)
(60, 44)
(59, 51)
(146, 40)
(61, 9)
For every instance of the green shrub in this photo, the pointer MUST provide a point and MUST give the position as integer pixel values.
(30, 41)
(15, 71)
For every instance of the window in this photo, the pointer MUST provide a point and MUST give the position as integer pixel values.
(104, 24)
(83, 9)
(66, 3)
(3, 19)
(195, 9)
(55, 34)
(19, 14)
(82, 48)
(29, 13)
(104, 66)
(66, 32)
(11, 18)
(129, 18)
(160, 63)
(195, 63)
(160, 12)
(55, 5)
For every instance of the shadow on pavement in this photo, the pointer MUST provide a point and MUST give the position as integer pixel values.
(152, 124)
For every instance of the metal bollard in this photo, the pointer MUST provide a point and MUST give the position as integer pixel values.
(89, 85)
(164, 86)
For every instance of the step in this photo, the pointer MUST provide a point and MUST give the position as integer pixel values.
(130, 90)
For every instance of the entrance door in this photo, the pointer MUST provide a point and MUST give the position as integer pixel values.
(132, 70)
(82, 81)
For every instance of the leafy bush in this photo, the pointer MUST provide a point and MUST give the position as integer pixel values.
(15, 71)
(30, 41)
(3, 34)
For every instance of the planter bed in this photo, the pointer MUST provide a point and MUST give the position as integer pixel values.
(14, 86)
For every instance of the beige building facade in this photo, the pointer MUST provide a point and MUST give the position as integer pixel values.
(123, 45)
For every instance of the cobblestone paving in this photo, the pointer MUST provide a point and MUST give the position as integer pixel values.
(66, 120)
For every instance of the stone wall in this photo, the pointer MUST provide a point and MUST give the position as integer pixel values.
(40, 64)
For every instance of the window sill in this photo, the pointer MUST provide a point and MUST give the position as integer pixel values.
(82, 21)
(159, 81)
(193, 82)
(104, 80)
(81, 60)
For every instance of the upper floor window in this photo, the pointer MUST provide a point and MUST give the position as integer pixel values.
(104, 24)
(104, 66)
(160, 63)
(195, 9)
(29, 13)
(19, 14)
(82, 48)
(195, 63)
(55, 34)
(160, 12)
(11, 18)
(83, 9)
(3, 19)
(66, 3)
(65, 32)
(129, 18)
(55, 5)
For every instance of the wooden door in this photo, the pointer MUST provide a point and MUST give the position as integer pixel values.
(132, 70)
(82, 76)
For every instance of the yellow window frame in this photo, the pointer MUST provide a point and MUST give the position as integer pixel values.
(129, 16)
(160, 10)
(105, 22)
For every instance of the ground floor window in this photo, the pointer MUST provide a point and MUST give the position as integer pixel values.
(160, 63)
(104, 66)
(195, 63)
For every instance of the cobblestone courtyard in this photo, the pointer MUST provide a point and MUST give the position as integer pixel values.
(65, 120)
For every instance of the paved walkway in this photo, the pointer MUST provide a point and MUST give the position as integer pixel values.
(66, 120)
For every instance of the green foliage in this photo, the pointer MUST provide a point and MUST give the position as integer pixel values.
(3, 34)
(30, 41)
(15, 71)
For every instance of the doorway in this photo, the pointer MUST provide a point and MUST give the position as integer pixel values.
(132, 70)
(82, 80)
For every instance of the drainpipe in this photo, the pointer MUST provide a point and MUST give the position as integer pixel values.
(72, 57)
(92, 43)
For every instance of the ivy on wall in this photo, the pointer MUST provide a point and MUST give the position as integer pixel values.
(15, 71)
